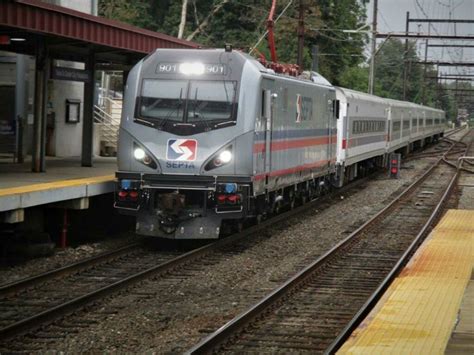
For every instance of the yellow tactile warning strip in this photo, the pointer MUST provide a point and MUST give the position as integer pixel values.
(419, 310)
(56, 185)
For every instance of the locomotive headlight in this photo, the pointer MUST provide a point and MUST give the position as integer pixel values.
(139, 153)
(191, 68)
(144, 157)
(225, 156)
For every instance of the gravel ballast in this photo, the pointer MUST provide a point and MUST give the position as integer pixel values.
(173, 312)
(63, 257)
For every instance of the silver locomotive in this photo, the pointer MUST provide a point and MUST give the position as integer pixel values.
(212, 138)
(211, 135)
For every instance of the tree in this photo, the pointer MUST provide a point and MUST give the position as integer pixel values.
(339, 51)
(136, 13)
(355, 78)
(182, 23)
(389, 74)
(214, 23)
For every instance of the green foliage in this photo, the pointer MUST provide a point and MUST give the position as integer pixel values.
(389, 73)
(339, 50)
(341, 60)
(136, 13)
(356, 78)
(243, 22)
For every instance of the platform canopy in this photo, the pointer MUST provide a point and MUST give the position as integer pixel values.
(73, 35)
(51, 32)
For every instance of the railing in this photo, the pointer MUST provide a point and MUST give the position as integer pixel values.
(108, 116)
(109, 125)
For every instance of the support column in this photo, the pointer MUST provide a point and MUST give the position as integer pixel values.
(39, 127)
(88, 116)
(21, 103)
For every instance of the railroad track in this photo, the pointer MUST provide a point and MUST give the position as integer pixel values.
(445, 144)
(317, 309)
(31, 303)
(12, 288)
(41, 300)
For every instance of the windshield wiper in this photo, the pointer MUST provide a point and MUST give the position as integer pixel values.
(164, 120)
(142, 121)
(223, 123)
(199, 114)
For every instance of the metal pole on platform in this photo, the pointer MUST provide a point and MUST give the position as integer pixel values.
(88, 116)
(39, 126)
(63, 237)
(20, 103)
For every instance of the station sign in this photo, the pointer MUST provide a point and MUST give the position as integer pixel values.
(70, 74)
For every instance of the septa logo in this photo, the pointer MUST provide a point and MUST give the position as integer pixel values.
(181, 149)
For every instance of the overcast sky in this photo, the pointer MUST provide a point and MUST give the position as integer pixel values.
(392, 18)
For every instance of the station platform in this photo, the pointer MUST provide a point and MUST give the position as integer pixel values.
(65, 180)
(429, 308)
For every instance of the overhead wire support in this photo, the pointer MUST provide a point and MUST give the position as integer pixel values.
(457, 75)
(423, 87)
(405, 58)
(445, 64)
(429, 20)
(300, 35)
(424, 35)
(451, 45)
(452, 78)
(374, 45)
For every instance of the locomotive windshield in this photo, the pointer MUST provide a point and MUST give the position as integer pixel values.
(163, 99)
(211, 100)
(187, 106)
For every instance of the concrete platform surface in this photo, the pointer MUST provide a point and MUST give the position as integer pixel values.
(420, 310)
(65, 180)
(15, 175)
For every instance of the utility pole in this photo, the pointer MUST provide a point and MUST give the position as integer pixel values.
(374, 45)
(405, 56)
(423, 88)
(300, 35)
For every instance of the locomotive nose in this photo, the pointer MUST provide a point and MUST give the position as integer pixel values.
(195, 156)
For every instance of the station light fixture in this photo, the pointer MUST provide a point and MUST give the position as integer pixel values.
(17, 39)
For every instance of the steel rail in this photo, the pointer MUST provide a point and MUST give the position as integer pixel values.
(81, 301)
(445, 139)
(238, 323)
(14, 287)
(378, 293)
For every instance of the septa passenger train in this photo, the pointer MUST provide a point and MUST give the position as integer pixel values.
(210, 136)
